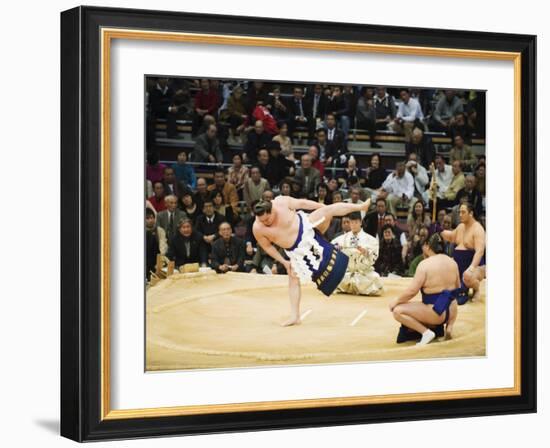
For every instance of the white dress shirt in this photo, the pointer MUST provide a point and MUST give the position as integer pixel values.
(399, 185)
(410, 111)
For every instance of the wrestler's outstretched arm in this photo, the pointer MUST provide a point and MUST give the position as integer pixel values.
(449, 235)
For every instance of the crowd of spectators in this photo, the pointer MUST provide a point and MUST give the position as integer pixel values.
(245, 130)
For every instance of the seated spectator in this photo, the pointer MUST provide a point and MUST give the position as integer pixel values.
(375, 175)
(352, 170)
(268, 196)
(236, 113)
(457, 184)
(207, 224)
(339, 107)
(154, 169)
(409, 115)
(332, 186)
(443, 177)
(227, 190)
(374, 221)
(415, 256)
(446, 109)
(279, 166)
(161, 105)
(155, 242)
(299, 113)
(189, 206)
(263, 164)
(461, 127)
(263, 263)
(336, 149)
(171, 183)
(184, 172)
(254, 186)
(262, 113)
(463, 154)
(448, 247)
(366, 116)
(202, 193)
(355, 198)
(255, 141)
(207, 147)
(169, 218)
(470, 194)
(389, 259)
(419, 174)
(398, 188)
(316, 163)
(422, 145)
(285, 188)
(322, 194)
(480, 179)
(206, 102)
(228, 252)
(437, 226)
(418, 218)
(384, 105)
(157, 200)
(187, 245)
(345, 226)
(308, 177)
(285, 142)
(257, 93)
(321, 143)
(278, 108)
(225, 210)
(399, 234)
(237, 174)
(317, 103)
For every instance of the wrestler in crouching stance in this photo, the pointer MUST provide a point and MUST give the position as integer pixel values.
(438, 279)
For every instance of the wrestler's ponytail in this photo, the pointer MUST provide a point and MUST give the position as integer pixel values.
(435, 243)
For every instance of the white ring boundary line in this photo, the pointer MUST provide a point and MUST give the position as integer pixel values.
(358, 318)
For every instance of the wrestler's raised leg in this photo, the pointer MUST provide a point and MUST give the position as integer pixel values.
(294, 294)
(339, 209)
(416, 316)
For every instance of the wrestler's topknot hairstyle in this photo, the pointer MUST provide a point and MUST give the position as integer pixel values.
(262, 207)
(435, 242)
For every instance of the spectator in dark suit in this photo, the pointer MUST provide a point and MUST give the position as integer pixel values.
(336, 147)
(340, 106)
(279, 166)
(257, 93)
(423, 146)
(161, 105)
(322, 145)
(374, 221)
(299, 113)
(471, 195)
(187, 245)
(171, 183)
(385, 108)
(169, 219)
(317, 104)
(208, 223)
(207, 147)
(278, 106)
(255, 140)
(389, 255)
(228, 252)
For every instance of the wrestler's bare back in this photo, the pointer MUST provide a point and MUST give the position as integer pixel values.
(439, 272)
(283, 229)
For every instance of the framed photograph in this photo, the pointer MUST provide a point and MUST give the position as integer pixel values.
(277, 224)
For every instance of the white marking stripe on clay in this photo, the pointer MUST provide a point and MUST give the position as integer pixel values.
(305, 314)
(358, 318)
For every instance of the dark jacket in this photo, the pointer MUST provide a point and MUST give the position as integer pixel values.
(376, 178)
(205, 147)
(177, 251)
(474, 198)
(254, 143)
(389, 258)
(337, 146)
(371, 224)
(321, 106)
(203, 226)
(234, 251)
(425, 150)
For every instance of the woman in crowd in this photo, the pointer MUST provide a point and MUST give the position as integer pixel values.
(235, 113)
(285, 142)
(189, 206)
(418, 218)
(220, 207)
(375, 175)
(237, 174)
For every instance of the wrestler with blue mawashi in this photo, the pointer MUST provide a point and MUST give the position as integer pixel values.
(438, 280)
(469, 253)
(311, 258)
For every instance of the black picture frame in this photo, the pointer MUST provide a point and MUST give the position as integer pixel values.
(81, 224)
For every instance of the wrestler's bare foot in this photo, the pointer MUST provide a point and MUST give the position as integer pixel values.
(366, 205)
(292, 321)
(476, 297)
(448, 332)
